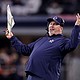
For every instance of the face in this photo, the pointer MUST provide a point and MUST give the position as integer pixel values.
(54, 28)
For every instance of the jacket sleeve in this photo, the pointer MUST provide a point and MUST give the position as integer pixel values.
(71, 43)
(22, 48)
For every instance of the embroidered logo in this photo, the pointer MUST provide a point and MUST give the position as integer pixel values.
(51, 41)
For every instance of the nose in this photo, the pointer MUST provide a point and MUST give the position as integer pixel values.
(51, 26)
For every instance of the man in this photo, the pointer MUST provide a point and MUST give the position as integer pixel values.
(47, 53)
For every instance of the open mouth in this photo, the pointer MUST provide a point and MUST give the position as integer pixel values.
(51, 29)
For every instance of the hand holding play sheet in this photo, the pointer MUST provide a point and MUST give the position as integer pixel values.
(10, 20)
(9, 35)
(10, 23)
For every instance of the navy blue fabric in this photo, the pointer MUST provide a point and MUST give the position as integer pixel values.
(34, 78)
(47, 53)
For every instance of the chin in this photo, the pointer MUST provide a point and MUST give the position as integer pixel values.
(51, 33)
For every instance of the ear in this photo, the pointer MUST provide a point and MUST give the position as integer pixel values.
(62, 28)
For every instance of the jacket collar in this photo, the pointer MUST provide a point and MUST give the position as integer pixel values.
(58, 35)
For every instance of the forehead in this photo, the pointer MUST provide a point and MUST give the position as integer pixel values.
(52, 22)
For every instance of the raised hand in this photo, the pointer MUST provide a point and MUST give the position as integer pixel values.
(77, 19)
(8, 35)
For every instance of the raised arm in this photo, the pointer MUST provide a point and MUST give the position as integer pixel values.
(19, 46)
(71, 44)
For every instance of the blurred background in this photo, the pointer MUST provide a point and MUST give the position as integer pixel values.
(30, 24)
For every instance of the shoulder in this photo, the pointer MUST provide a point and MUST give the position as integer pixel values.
(39, 39)
(65, 39)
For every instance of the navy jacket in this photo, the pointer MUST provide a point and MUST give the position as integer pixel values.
(47, 53)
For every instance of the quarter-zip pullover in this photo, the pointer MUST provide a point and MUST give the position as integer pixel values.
(47, 53)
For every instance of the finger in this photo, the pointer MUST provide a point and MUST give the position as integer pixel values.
(7, 32)
(78, 16)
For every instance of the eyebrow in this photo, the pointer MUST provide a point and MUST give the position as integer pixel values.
(54, 23)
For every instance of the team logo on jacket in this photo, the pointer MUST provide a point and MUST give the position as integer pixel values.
(51, 41)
